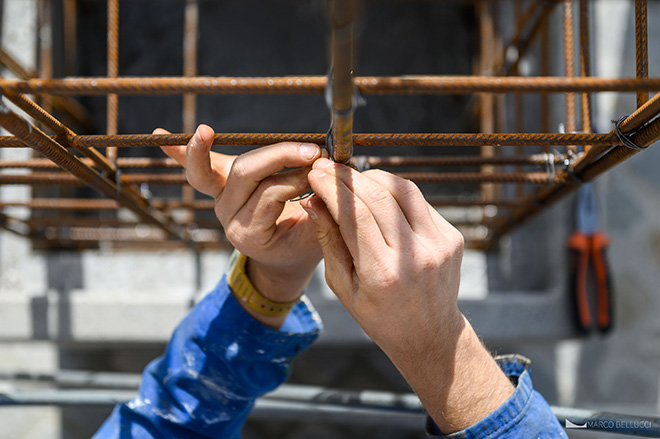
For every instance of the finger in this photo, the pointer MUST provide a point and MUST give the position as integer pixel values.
(357, 225)
(265, 205)
(249, 169)
(338, 261)
(383, 207)
(409, 198)
(200, 171)
(177, 152)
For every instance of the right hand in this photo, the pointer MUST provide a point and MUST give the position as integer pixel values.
(390, 258)
(394, 263)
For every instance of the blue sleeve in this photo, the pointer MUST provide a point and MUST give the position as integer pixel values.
(524, 415)
(217, 363)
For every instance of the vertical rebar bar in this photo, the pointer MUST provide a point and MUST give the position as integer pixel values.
(545, 72)
(45, 44)
(585, 64)
(641, 47)
(113, 72)
(190, 35)
(518, 101)
(342, 94)
(569, 67)
(70, 19)
(487, 122)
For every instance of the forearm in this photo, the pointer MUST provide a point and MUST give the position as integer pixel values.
(457, 380)
(217, 363)
(277, 285)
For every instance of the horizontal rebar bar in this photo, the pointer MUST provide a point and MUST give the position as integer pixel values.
(370, 139)
(372, 161)
(316, 85)
(60, 178)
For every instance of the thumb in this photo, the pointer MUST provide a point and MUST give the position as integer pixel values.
(338, 260)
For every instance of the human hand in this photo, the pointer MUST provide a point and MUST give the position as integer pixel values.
(251, 194)
(394, 263)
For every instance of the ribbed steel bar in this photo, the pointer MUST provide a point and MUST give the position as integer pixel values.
(113, 72)
(341, 93)
(125, 163)
(70, 25)
(372, 161)
(58, 178)
(545, 72)
(80, 172)
(487, 108)
(641, 116)
(45, 43)
(190, 35)
(62, 133)
(426, 84)
(65, 104)
(585, 63)
(101, 204)
(641, 47)
(104, 204)
(372, 139)
(400, 161)
(589, 170)
(569, 68)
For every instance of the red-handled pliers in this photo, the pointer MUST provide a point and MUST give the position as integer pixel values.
(588, 249)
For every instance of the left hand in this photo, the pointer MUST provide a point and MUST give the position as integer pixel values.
(251, 201)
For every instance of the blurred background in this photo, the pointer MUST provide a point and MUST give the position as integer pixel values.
(112, 308)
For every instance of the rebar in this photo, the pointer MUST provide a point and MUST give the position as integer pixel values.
(113, 72)
(341, 94)
(413, 84)
(585, 64)
(79, 171)
(641, 47)
(569, 68)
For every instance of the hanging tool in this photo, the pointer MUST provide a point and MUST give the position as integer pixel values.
(588, 261)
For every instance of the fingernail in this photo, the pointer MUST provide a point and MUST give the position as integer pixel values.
(323, 163)
(197, 139)
(308, 150)
(310, 211)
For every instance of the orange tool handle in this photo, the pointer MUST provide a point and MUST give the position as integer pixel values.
(579, 245)
(599, 245)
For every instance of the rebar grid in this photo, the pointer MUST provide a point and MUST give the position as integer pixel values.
(541, 178)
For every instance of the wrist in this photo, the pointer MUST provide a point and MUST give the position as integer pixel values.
(279, 284)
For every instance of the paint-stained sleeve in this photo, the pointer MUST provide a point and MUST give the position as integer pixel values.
(524, 415)
(217, 363)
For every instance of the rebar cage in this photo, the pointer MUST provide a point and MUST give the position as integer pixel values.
(517, 174)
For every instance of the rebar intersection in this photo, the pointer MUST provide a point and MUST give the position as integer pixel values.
(566, 161)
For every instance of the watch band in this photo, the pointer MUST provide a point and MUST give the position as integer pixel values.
(246, 293)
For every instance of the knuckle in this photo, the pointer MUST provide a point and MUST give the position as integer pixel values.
(239, 168)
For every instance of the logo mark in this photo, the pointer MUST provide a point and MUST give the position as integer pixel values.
(569, 424)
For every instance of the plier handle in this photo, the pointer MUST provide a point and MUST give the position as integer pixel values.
(588, 254)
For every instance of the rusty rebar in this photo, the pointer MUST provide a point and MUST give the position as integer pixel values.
(422, 84)
(62, 132)
(123, 163)
(341, 93)
(190, 35)
(50, 148)
(371, 139)
(569, 67)
(641, 47)
(641, 116)
(102, 204)
(590, 169)
(65, 104)
(585, 63)
(401, 161)
(113, 72)
(64, 179)
(70, 25)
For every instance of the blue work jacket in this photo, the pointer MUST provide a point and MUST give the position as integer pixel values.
(220, 360)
